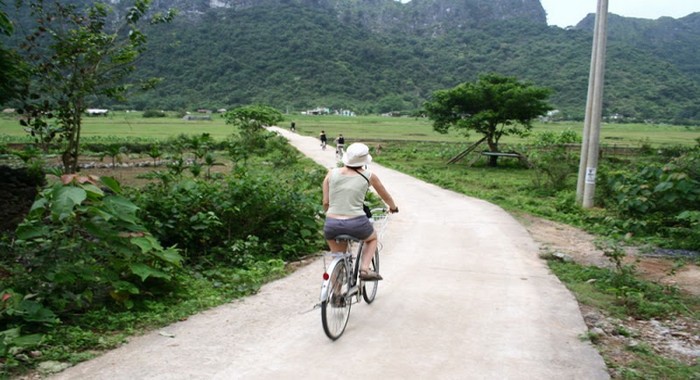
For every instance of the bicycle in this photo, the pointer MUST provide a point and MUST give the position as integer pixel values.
(341, 280)
(323, 145)
(339, 152)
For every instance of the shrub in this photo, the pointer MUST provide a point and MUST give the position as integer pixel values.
(153, 113)
(656, 198)
(552, 161)
(242, 214)
(83, 245)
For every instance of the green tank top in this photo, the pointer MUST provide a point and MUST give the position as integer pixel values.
(347, 193)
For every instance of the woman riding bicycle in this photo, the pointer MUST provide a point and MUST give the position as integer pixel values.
(344, 192)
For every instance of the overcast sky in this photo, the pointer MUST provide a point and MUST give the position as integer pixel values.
(569, 12)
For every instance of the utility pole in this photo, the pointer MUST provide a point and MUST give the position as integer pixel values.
(588, 165)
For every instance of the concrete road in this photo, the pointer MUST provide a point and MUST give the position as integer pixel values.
(465, 296)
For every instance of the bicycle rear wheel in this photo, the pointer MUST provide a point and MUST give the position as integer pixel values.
(369, 288)
(335, 311)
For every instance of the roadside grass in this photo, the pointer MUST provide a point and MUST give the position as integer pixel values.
(622, 294)
(648, 365)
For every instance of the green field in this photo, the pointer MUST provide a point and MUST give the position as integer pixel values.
(123, 124)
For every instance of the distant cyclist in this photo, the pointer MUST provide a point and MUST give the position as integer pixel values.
(324, 140)
(339, 145)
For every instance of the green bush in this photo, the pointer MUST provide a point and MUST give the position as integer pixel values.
(252, 214)
(553, 162)
(661, 199)
(82, 245)
(153, 113)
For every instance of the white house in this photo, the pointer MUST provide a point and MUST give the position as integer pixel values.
(96, 112)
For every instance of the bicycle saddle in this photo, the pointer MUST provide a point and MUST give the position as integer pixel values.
(347, 237)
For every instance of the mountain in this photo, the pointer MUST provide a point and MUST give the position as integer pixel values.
(375, 56)
(659, 59)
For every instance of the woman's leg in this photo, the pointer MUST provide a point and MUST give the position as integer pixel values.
(368, 251)
(335, 246)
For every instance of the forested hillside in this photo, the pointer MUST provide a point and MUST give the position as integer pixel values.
(379, 56)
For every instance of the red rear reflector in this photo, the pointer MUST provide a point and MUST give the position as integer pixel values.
(326, 276)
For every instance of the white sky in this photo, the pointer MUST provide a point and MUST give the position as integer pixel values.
(565, 13)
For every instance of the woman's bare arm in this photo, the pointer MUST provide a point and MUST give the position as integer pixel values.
(326, 192)
(382, 191)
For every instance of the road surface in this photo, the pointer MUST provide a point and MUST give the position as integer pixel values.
(464, 296)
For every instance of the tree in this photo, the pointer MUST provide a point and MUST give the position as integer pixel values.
(12, 73)
(250, 121)
(494, 106)
(74, 55)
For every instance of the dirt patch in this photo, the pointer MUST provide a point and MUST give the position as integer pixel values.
(677, 338)
(129, 171)
(580, 245)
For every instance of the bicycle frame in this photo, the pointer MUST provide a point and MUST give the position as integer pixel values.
(341, 283)
(344, 258)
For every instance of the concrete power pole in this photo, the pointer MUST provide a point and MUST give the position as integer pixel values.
(588, 165)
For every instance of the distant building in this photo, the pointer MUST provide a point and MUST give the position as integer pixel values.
(345, 113)
(96, 112)
(317, 111)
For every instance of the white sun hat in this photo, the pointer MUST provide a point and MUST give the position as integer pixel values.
(356, 155)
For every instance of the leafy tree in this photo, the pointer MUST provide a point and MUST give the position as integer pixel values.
(5, 24)
(494, 106)
(75, 54)
(12, 73)
(250, 121)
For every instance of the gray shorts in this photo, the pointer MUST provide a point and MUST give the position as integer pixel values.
(358, 227)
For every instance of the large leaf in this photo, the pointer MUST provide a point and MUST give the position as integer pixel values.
(93, 192)
(36, 312)
(144, 271)
(27, 341)
(38, 206)
(28, 232)
(112, 184)
(170, 255)
(124, 287)
(121, 208)
(146, 243)
(65, 200)
(149, 244)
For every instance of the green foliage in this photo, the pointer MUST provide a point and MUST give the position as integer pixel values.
(85, 58)
(20, 314)
(249, 121)
(13, 73)
(244, 215)
(554, 163)
(81, 245)
(153, 113)
(494, 106)
(655, 198)
(621, 293)
(114, 151)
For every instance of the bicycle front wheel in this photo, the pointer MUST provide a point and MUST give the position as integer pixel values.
(369, 288)
(335, 311)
